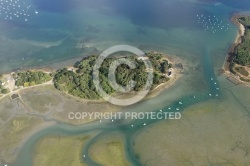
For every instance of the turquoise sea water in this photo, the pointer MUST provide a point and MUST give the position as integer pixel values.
(167, 24)
(172, 26)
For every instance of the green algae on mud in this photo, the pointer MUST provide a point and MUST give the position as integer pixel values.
(210, 132)
(60, 151)
(109, 150)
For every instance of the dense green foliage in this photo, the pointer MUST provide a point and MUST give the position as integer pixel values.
(245, 20)
(31, 78)
(5, 91)
(80, 83)
(242, 52)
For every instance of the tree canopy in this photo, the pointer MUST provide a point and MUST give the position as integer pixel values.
(30, 78)
(242, 51)
(80, 82)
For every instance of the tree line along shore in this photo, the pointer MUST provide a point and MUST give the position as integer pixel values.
(239, 53)
(78, 80)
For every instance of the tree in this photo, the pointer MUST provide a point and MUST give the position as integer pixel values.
(5, 91)
(242, 52)
(80, 83)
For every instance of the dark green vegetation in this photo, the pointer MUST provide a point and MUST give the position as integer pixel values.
(242, 51)
(80, 83)
(31, 78)
(3, 90)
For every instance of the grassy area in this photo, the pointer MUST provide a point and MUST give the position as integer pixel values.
(46, 99)
(41, 99)
(13, 133)
(242, 71)
(109, 151)
(6, 109)
(60, 151)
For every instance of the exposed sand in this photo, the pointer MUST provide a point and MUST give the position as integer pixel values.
(157, 90)
(241, 31)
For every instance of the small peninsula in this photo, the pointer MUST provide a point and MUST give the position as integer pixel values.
(239, 53)
(77, 80)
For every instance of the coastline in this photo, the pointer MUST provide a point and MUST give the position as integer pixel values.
(175, 77)
(42, 126)
(241, 27)
(230, 53)
(30, 126)
(164, 86)
(153, 93)
(45, 124)
(237, 41)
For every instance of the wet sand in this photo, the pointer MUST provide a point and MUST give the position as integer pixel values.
(241, 31)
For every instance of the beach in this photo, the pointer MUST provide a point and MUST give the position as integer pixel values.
(176, 75)
(241, 31)
(230, 56)
(237, 41)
